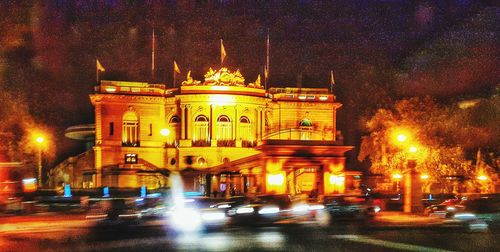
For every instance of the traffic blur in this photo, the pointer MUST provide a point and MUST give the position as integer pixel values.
(190, 212)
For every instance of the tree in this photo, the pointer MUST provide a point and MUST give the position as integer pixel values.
(438, 132)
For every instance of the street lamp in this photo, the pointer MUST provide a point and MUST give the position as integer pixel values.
(412, 182)
(39, 140)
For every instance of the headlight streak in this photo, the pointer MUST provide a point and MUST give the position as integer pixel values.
(269, 210)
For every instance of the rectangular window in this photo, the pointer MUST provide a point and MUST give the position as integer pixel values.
(111, 128)
(150, 129)
(131, 158)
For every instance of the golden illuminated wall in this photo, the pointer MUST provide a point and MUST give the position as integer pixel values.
(285, 117)
(249, 118)
(109, 149)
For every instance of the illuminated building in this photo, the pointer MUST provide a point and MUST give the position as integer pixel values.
(220, 134)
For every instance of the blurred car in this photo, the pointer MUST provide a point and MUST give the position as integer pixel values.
(340, 207)
(152, 207)
(194, 213)
(268, 209)
(114, 211)
(232, 203)
(443, 210)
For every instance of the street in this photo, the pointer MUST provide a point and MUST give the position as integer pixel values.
(72, 232)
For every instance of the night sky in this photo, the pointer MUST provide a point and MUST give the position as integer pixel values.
(380, 51)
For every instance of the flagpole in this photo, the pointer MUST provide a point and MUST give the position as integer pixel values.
(96, 73)
(153, 57)
(221, 58)
(266, 73)
(174, 73)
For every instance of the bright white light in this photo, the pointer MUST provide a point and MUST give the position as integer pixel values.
(244, 210)
(450, 208)
(337, 180)
(376, 209)
(209, 217)
(269, 210)
(300, 208)
(165, 132)
(224, 206)
(110, 89)
(464, 215)
(425, 176)
(323, 98)
(276, 179)
(221, 100)
(413, 149)
(302, 97)
(397, 176)
(402, 138)
(29, 180)
(186, 219)
(482, 177)
(316, 207)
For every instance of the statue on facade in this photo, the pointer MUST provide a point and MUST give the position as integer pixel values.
(189, 80)
(256, 83)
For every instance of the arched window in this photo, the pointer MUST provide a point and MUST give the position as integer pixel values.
(224, 128)
(200, 134)
(246, 132)
(130, 131)
(174, 126)
(305, 127)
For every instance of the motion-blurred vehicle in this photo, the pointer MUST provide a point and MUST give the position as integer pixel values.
(443, 210)
(268, 209)
(341, 207)
(231, 203)
(114, 211)
(194, 213)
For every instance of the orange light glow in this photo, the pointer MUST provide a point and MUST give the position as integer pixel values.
(413, 149)
(482, 178)
(337, 180)
(397, 176)
(275, 182)
(401, 137)
(39, 139)
(424, 176)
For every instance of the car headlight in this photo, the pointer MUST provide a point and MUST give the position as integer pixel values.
(269, 210)
(300, 208)
(216, 216)
(376, 209)
(316, 207)
(450, 208)
(224, 206)
(185, 219)
(244, 210)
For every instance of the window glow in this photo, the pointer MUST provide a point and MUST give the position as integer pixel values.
(337, 180)
(130, 131)
(276, 179)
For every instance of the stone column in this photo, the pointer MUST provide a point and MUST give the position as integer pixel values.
(98, 144)
(258, 125)
(189, 123)
(183, 122)
(413, 190)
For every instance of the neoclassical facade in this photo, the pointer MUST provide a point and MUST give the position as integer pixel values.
(220, 135)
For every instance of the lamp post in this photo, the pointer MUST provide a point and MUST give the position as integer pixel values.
(412, 180)
(413, 185)
(39, 140)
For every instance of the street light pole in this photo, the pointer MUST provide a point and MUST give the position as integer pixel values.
(39, 140)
